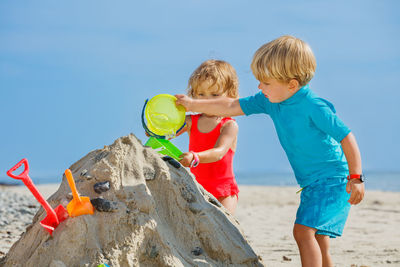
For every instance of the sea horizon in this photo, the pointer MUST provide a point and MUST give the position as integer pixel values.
(382, 181)
(375, 180)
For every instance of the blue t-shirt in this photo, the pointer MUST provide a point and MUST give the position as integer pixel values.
(309, 132)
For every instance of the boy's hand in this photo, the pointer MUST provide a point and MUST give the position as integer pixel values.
(357, 189)
(187, 158)
(185, 101)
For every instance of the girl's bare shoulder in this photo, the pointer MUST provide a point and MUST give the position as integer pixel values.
(230, 125)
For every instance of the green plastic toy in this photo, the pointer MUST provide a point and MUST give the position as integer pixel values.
(164, 121)
(163, 117)
(165, 147)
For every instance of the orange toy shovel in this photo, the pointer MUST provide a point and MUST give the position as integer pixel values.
(78, 205)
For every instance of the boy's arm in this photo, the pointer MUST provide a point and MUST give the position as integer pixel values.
(352, 153)
(223, 107)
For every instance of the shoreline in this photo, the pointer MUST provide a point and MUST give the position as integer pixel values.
(48, 185)
(266, 215)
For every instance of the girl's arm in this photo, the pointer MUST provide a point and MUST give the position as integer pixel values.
(225, 141)
(188, 121)
(352, 153)
(222, 107)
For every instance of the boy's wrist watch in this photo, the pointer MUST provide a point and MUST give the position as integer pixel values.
(361, 177)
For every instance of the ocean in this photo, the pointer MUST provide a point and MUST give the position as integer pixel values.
(374, 180)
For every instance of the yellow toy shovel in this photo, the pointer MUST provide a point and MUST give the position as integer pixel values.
(78, 205)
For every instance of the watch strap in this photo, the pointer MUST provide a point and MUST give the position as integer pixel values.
(356, 176)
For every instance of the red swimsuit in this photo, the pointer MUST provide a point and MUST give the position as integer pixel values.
(216, 177)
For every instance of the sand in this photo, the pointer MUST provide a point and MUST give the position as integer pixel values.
(266, 214)
(152, 213)
(371, 236)
(165, 218)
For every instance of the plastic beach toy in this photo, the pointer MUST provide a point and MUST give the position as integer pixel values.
(78, 205)
(164, 118)
(54, 217)
(164, 146)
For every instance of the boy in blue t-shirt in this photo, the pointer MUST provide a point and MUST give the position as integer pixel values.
(322, 151)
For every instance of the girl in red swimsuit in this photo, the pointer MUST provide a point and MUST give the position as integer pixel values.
(212, 140)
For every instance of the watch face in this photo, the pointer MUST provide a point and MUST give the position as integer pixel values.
(362, 177)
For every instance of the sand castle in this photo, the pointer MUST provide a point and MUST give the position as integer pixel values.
(149, 213)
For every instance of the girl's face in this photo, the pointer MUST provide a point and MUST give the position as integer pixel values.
(208, 91)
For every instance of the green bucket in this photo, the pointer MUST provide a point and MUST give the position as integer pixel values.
(164, 146)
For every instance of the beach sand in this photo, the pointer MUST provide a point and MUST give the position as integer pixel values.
(266, 214)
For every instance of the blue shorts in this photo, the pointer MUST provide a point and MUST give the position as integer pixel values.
(324, 206)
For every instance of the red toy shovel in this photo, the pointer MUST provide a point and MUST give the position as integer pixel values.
(54, 217)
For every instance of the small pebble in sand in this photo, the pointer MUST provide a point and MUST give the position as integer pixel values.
(101, 187)
(197, 251)
(172, 161)
(286, 258)
(102, 204)
(85, 174)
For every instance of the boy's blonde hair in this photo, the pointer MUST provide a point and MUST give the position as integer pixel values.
(217, 72)
(284, 59)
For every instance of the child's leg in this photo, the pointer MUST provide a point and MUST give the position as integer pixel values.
(323, 241)
(310, 252)
(229, 203)
(324, 205)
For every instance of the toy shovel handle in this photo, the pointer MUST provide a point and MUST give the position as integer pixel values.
(28, 182)
(24, 174)
(71, 183)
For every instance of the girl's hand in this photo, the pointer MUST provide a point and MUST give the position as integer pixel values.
(185, 101)
(357, 189)
(187, 158)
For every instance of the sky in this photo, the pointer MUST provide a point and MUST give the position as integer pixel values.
(74, 75)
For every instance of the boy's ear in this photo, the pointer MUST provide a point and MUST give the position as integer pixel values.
(293, 84)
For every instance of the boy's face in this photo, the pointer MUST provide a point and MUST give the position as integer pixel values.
(277, 91)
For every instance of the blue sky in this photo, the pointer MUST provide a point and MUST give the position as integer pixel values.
(74, 75)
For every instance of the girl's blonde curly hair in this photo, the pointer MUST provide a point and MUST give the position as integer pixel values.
(217, 72)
